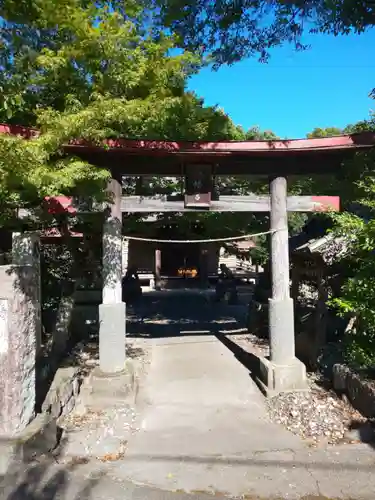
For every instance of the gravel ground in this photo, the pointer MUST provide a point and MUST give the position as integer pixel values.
(101, 433)
(319, 415)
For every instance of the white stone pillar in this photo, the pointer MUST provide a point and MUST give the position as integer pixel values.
(26, 252)
(112, 311)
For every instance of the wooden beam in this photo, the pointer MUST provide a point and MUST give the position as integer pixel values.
(251, 203)
(296, 163)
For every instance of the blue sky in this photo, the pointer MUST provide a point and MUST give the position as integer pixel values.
(327, 85)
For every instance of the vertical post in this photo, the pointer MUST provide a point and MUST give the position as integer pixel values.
(157, 269)
(281, 305)
(18, 335)
(125, 255)
(112, 311)
(287, 373)
(203, 266)
(26, 252)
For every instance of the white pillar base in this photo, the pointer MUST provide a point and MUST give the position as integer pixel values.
(274, 379)
(112, 338)
(281, 330)
(112, 311)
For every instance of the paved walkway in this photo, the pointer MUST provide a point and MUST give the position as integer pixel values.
(205, 426)
(204, 430)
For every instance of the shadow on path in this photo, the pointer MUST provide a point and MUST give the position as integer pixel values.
(249, 360)
(176, 316)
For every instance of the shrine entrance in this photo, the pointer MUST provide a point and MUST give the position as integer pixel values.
(199, 164)
(180, 260)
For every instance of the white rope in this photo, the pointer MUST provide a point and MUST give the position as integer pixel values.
(214, 240)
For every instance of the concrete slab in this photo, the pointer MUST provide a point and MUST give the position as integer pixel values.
(204, 421)
(203, 430)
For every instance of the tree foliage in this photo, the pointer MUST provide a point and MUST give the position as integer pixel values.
(356, 187)
(228, 31)
(73, 69)
(357, 298)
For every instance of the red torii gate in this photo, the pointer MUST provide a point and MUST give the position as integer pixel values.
(199, 162)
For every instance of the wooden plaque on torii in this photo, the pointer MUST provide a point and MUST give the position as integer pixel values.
(198, 187)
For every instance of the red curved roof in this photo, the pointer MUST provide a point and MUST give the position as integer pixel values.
(342, 142)
(160, 157)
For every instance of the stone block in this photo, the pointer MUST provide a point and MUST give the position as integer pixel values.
(102, 390)
(61, 392)
(281, 330)
(61, 331)
(339, 377)
(354, 385)
(26, 252)
(43, 433)
(18, 346)
(274, 379)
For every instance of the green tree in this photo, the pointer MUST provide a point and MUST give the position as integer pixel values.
(228, 31)
(77, 69)
(356, 187)
(325, 132)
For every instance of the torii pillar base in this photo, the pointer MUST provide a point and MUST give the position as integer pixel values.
(275, 379)
(283, 372)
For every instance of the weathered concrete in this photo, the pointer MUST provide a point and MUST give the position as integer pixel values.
(112, 337)
(105, 409)
(281, 319)
(26, 252)
(38, 438)
(285, 372)
(204, 413)
(112, 261)
(48, 480)
(360, 392)
(205, 429)
(42, 434)
(18, 334)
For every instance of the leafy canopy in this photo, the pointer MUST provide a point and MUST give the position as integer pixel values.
(74, 68)
(230, 30)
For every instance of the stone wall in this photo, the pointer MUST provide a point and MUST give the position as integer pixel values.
(43, 434)
(18, 343)
(61, 397)
(359, 391)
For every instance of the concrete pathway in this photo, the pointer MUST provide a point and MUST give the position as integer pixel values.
(205, 427)
(204, 418)
(50, 481)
